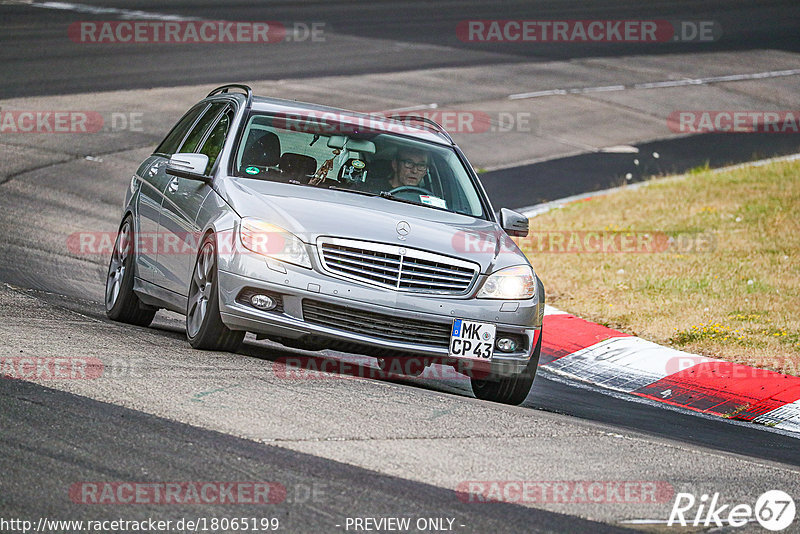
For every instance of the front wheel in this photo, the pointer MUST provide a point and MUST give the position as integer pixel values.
(204, 326)
(122, 304)
(509, 389)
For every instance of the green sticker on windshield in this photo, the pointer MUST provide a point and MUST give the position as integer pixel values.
(252, 170)
(357, 164)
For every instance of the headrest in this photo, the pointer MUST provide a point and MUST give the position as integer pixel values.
(298, 166)
(262, 148)
(380, 168)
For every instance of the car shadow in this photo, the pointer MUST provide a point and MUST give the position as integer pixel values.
(297, 364)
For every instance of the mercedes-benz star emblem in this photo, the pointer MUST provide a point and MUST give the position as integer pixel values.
(403, 228)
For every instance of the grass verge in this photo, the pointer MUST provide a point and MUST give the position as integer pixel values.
(708, 263)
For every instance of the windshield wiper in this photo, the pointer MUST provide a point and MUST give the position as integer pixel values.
(356, 191)
(387, 195)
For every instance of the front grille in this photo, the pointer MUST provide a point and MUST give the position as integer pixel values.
(396, 267)
(385, 327)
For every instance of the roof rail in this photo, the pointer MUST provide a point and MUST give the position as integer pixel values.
(426, 121)
(224, 89)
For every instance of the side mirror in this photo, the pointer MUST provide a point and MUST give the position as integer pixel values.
(192, 166)
(515, 224)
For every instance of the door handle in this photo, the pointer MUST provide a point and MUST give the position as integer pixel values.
(173, 185)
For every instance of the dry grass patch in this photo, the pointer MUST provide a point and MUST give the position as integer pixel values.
(716, 269)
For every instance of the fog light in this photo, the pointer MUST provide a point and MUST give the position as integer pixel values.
(506, 344)
(263, 302)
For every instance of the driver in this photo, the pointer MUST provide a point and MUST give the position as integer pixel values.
(409, 167)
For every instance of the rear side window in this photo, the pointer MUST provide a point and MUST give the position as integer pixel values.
(196, 135)
(173, 140)
(213, 143)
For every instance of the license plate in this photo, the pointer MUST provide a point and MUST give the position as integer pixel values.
(469, 339)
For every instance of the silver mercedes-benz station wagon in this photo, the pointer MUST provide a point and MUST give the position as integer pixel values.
(323, 228)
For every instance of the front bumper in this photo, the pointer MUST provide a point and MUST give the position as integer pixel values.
(296, 285)
(299, 287)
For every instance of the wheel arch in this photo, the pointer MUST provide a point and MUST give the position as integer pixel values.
(225, 228)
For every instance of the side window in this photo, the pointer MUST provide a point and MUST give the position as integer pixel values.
(213, 143)
(196, 135)
(173, 139)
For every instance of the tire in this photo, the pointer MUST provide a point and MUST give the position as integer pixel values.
(204, 327)
(122, 304)
(512, 389)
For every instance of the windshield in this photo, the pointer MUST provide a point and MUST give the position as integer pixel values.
(343, 157)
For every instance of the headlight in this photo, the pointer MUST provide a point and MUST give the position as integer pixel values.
(273, 241)
(510, 283)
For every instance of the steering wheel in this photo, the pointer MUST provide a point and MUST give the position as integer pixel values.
(410, 189)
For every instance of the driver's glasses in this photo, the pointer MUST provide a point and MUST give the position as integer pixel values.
(408, 164)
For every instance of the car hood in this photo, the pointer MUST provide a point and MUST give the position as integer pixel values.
(310, 212)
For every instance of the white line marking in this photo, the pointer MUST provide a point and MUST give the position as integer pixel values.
(433, 105)
(128, 14)
(676, 523)
(667, 83)
(604, 89)
(787, 417)
(625, 363)
(620, 149)
(656, 85)
(549, 92)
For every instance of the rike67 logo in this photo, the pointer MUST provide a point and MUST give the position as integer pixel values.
(774, 510)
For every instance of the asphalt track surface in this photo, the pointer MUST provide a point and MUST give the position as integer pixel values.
(52, 438)
(400, 35)
(526, 185)
(124, 444)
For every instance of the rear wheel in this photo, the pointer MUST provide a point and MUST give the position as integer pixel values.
(204, 326)
(122, 304)
(509, 389)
